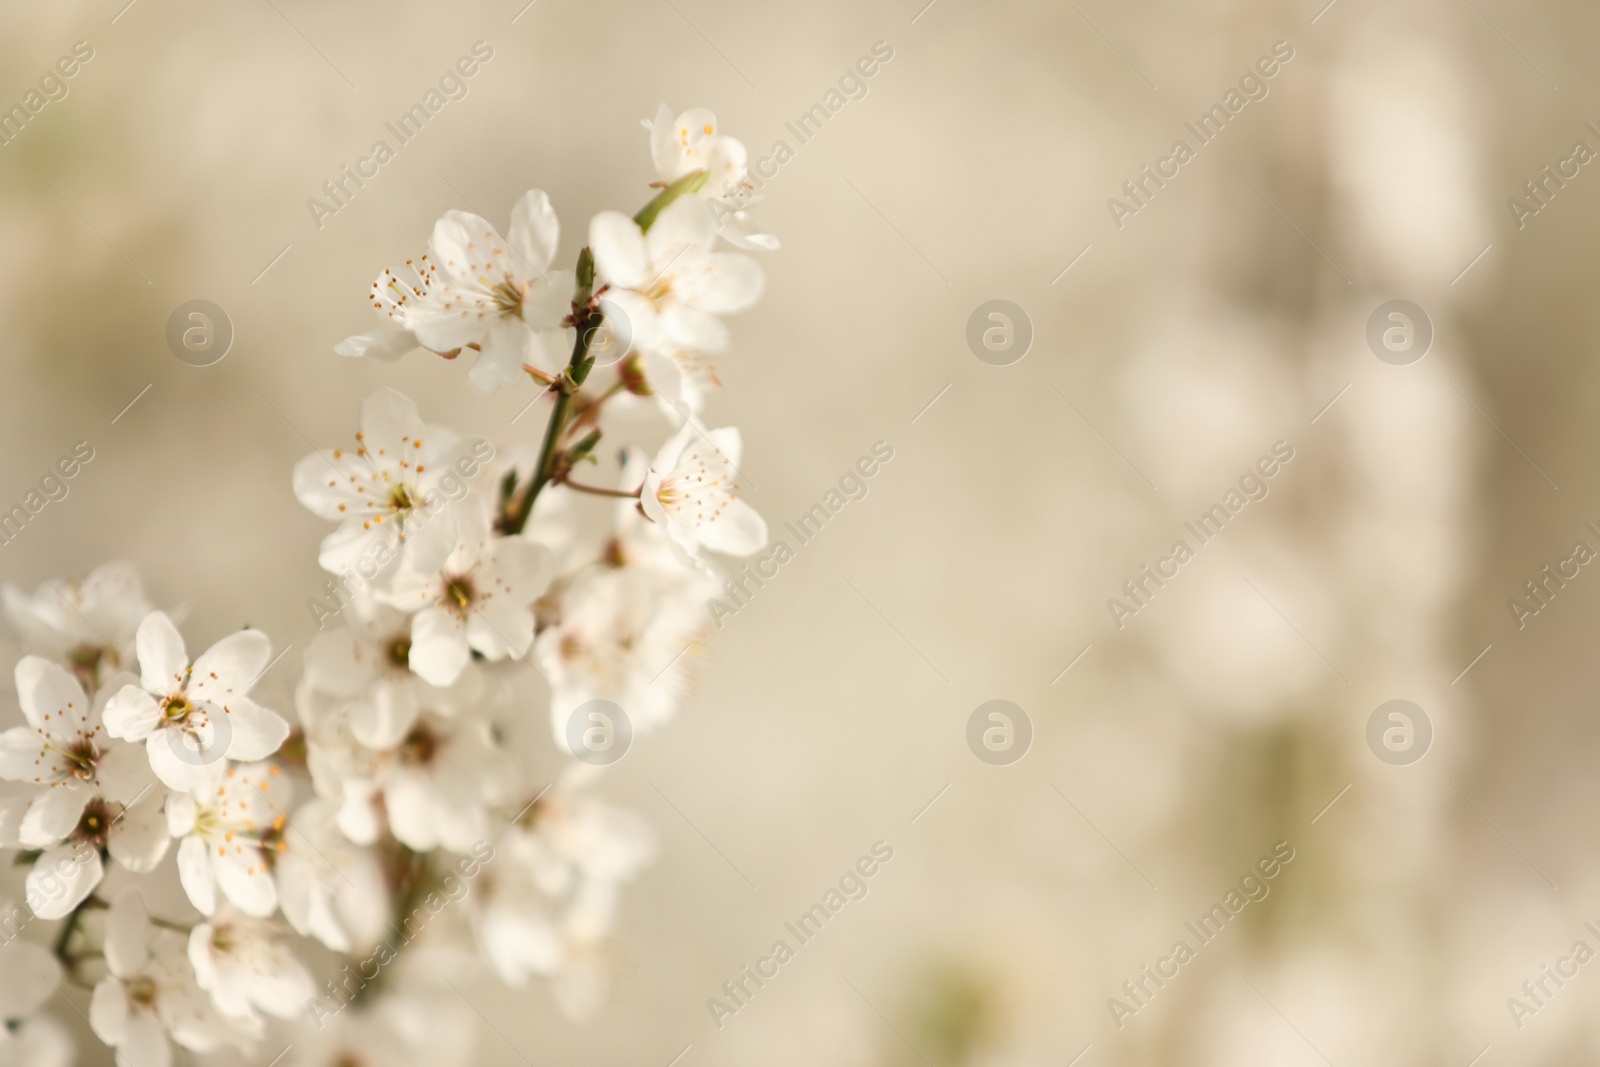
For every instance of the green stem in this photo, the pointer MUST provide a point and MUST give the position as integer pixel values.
(692, 182)
(586, 316)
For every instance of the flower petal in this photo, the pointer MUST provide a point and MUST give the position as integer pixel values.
(53, 814)
(162, 657)
(439, 651)
(619, 250)
(61, 879)
(132, 714)
(194, 872)
(231, 666)
(108, 1011)
(139, 838)
(257, 731)
(535, 231)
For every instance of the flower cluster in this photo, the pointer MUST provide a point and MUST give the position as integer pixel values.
(393, 818)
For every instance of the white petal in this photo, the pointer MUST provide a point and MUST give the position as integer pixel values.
(386, 344)
(162, 658)
(123, 774)
(145, 1044)
(734, 283)
(391, 427)
(535, 231)
(382, 719)
(194, 872)
(439, 651)
(507, 345)
(231, 666)
(738, 531)
(53, 814)
(619, 250)
(108, 1011)
(684, 223)
(139, 838)
(20, 752)
(132, 714)
(51, 699)
(245, 881)
(62, 877)
(177, 772)
(257, 731)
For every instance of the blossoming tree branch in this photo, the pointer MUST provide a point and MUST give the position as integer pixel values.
(347, 863)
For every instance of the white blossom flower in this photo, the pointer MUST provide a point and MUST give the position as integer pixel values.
(625, 634)
(82, 625)
(366, 668)
(515, 928)
(389, 493)
(692, 491)
(246, 966)
(393, 296)
(150, 992)
(89, 790)
(30, 977)
(668, 284)
(581, 850)
(690, 142)
(230, 834)
(478, 601)
(191, 716)
(496, 293)
(329, 887)
(435, 785)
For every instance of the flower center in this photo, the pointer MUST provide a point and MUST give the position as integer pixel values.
(400, 498)
(176, 709)
(458, 594)
(141, 991)
(400, 651)
(508, 298)
(94, 824)
(419, 748)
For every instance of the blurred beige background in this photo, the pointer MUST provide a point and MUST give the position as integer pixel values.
(1178, 349)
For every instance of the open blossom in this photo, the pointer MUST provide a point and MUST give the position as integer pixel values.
(476, 601)
(247, 967)
(82, 625)
(434, 786)
(625, 634)
(478, 288)
(191, 716)
(366, 667)
(329, 887)
(690, 142)
(394, 294)
(150, 992)
(388, 492)
(89, 788)
(693, 492)
(580, 850)
(668, 283)
(230, 833)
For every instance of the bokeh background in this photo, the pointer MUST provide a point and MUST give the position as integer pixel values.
(1176, 350)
